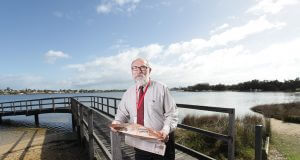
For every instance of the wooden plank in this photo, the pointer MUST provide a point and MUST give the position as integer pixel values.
(91, 137)
(231, 133)
(81, 123)
(192, 152)
(36, 120)
(206, 108)
(205, 132)
(115, 145)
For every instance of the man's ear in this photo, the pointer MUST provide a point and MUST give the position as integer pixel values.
(150, 69)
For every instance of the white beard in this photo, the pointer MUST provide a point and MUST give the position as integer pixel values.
(141, 81)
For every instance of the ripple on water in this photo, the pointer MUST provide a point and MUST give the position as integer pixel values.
(54, 122)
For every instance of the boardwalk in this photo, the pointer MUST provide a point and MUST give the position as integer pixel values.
(90, 119)
(102, 130)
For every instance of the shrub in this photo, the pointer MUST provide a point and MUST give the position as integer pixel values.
(244, 139)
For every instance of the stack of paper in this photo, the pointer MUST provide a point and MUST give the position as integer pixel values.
(141, 137)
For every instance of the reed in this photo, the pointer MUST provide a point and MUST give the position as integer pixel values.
(288, 112)
(244, 139)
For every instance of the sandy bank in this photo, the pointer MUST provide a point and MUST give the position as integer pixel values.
(38, 143)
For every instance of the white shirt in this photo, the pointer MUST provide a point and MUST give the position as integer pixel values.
(160, 110)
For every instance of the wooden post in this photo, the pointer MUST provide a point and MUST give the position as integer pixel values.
(98, 102)
(69, 102)
(102, 103)
(258, 142)
(40, 106)
(2, 108)
(26, 107)
(94, 102)
(231, 133)
(91, 102)
(77, 119)
(115, 141)
(107, 102)
(91, 137)
(81, 124)
(36, 120)
(13, 104)
(65, 105)
(115, 106)
(265, 150)
(53, 105)
(73, 122)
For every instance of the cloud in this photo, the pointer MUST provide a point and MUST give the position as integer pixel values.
(30, 81)
(51, 56)
(238, 33)
(112, 70)
(231, 35)
(21, 80)
(190, 62)
(185, 63)
(220, 65)
(104, 8)
(271, 6)
(225, 25)
(123, 2)
(117, 6)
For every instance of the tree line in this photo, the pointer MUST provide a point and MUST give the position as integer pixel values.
(253, 85)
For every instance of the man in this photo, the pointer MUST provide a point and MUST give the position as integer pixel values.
(150, 104)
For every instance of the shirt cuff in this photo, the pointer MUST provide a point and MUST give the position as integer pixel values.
(116, 122)
(166, 129)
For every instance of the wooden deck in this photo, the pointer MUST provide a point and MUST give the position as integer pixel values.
(102, 130)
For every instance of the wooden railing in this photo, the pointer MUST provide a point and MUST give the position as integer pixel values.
(35, 107)
(108, 106)
(82, 115)
(18, 107)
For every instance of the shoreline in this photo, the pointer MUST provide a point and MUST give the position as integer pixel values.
(38, 143)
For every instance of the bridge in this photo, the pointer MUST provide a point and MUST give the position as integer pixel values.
(91, 116)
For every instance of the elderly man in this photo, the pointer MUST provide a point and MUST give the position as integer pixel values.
(150, 104)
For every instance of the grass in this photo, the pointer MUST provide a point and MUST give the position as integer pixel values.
(288, 145)
(244, 140)
(288, 112)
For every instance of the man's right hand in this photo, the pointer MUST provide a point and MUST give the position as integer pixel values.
(114, 122)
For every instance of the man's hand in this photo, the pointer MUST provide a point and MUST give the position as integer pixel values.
(164, 136)
(114, 122)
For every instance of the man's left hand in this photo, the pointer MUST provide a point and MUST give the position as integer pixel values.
(164, 136)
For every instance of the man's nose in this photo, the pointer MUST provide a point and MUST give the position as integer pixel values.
(140, 70)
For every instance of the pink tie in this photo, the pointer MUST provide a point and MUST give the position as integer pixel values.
(140, 110)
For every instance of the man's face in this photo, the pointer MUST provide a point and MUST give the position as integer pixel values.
(140, 72)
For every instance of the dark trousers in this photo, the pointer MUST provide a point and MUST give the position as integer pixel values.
(169, 154)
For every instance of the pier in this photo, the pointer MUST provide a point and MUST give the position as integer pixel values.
(91, 116)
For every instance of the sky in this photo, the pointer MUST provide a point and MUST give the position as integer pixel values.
(90, 44)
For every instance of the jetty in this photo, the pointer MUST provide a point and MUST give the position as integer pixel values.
(91, 116)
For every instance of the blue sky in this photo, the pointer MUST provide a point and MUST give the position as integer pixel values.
(90, 44)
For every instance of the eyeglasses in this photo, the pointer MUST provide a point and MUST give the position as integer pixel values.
(142, 68)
